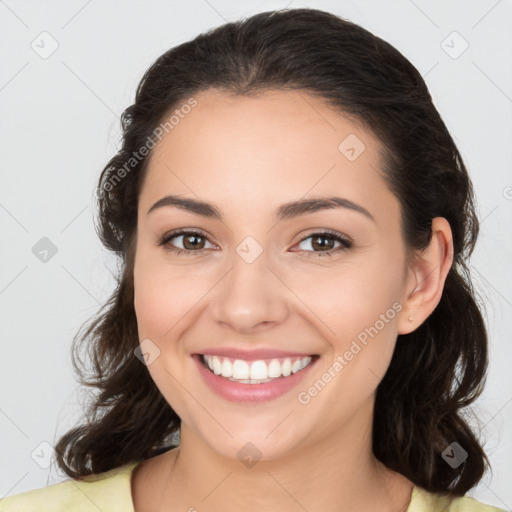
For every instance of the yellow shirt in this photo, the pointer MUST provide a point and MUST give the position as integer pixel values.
(111, 492)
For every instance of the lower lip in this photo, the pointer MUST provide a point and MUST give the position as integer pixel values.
(237, 392)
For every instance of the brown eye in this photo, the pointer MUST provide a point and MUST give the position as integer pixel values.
(323, 243)
(190, 241)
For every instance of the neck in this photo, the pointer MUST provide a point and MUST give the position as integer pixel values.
(338, 473)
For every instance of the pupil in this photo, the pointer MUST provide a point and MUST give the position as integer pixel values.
(322, 245)
(186, 239)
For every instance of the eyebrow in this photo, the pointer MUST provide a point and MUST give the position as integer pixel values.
(284, 212)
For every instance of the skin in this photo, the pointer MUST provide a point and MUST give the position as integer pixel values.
(248, 156)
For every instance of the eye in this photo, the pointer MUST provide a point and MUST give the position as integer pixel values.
(192, 242)
(326, 249)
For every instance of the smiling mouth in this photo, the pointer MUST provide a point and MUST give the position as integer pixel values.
(255, 372)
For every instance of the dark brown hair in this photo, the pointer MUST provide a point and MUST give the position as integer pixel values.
(436, 371)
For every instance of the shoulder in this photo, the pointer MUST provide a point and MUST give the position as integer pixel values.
(423, 500)
(109, 491)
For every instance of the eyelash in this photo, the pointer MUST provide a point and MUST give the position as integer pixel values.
(345, 242)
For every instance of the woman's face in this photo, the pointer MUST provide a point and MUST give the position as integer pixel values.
(262, 276)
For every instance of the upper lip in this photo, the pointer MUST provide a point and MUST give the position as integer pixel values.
(252, 355)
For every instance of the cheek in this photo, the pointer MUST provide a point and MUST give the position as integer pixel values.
(350, 297)
(357, 305)
(160, 302)
(356, 310)
(165, 295)
(366, 328)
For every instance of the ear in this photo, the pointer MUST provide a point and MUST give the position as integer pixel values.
(426, 277)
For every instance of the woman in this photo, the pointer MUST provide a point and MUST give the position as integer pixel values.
(294, 222)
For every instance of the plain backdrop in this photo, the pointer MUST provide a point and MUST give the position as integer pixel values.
(68, 70)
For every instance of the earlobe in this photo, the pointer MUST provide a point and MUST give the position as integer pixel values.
(427, 277)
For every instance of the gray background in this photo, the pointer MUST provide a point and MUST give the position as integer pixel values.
(60, 126)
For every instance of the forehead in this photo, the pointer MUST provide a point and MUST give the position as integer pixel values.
(254, 151)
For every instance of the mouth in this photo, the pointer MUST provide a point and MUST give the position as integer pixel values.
(260, 371)
(255, 372)
(260, 374)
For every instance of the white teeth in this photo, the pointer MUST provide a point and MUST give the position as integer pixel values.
(217, 366)
(252, 372)
(240, 369)
(227, 368)
(286, 367)
(258, 370)
(274, 369)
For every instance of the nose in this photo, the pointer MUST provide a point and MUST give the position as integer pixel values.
(250, 297)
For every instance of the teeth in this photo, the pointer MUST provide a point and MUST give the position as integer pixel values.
(217, 366)
(240, 369)
(286, 367)
(258, 371)
(227, 368)
(254, 372)
(274, 369)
